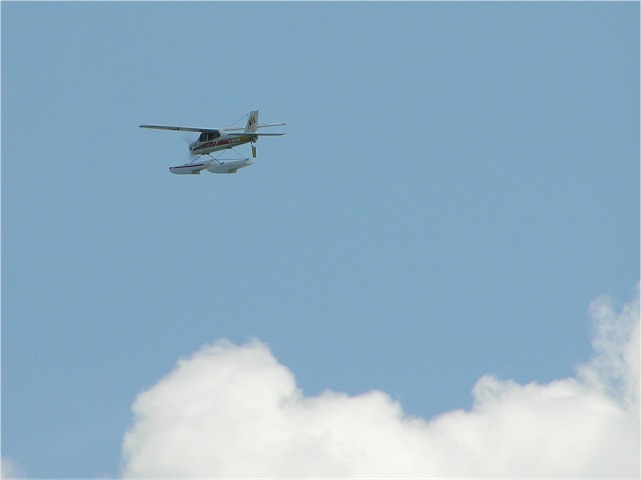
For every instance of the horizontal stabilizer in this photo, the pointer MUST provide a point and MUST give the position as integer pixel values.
(262, 125)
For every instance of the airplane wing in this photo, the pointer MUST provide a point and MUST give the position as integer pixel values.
(180, 129)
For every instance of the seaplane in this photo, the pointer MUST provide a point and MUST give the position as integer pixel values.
(213, 140)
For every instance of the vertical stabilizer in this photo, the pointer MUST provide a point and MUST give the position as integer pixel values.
(252, 122)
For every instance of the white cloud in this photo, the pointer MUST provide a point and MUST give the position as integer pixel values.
(9, 469)
(234, 411)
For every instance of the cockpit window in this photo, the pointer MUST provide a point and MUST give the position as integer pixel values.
(209, 136)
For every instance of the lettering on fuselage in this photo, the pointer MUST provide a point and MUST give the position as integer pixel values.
(227, 143)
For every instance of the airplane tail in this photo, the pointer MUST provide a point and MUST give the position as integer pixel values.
(252, 122)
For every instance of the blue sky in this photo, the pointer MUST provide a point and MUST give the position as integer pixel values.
(458, 182)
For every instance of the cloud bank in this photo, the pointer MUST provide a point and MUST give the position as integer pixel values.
(234, 411)
(9, 469)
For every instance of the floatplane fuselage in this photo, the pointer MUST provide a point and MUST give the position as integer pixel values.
(213, 140)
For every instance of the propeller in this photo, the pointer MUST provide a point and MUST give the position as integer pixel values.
(188, 139)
